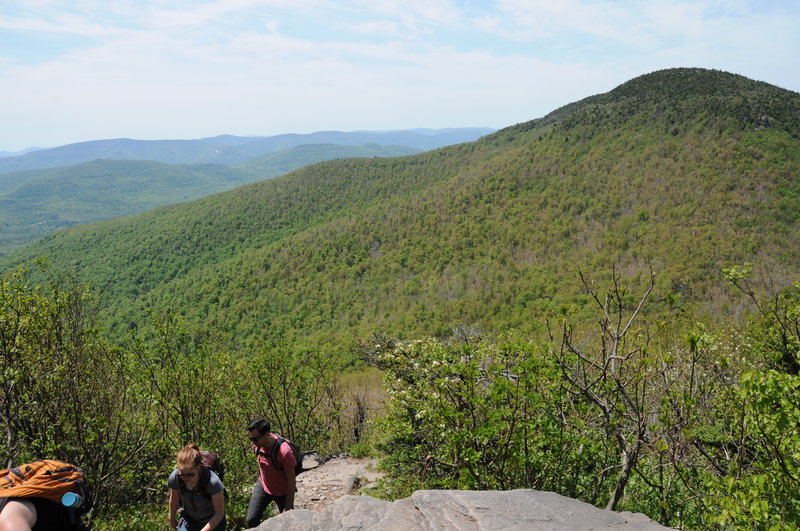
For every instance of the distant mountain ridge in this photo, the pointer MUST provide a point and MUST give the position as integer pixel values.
(227, 150)
(686, 171)
(20, 152)
(285, 160)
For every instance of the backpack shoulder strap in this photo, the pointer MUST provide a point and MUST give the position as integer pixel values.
(205, 479)
(275, 448)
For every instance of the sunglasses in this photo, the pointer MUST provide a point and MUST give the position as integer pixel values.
(187, 474)
(255, 439)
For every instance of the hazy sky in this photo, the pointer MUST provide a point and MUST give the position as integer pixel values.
(76, 70)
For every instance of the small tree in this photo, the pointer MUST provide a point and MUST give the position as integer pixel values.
(616, 373)
(297, 393)
(476, 415)
(17, 310)
(758, 479)
(777, 333)
(185, 378)
(65, 393)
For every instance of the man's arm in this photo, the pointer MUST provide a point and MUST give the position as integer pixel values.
(291, 487)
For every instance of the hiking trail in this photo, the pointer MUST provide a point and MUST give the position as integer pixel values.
(319, 487)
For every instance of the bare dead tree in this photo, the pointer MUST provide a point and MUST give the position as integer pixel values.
(615, 373)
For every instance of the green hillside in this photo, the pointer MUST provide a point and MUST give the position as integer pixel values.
(47, 200)
(685, 171)
(9, 181)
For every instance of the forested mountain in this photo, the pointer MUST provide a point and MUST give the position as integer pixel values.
(227, 149)
(34, 203)
(686, 171)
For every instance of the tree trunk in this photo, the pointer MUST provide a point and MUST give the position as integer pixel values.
(628, 461)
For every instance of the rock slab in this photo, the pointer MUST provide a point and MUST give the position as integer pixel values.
(461, 510)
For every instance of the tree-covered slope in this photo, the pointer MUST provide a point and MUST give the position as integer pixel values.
(684, 170)
(47, 200)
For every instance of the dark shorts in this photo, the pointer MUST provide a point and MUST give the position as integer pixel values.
(50, 516)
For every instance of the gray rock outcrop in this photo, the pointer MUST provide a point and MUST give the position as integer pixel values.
(523, 509)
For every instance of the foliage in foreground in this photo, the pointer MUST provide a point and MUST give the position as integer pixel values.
(694, 429)
(692, 424)
(121, 414)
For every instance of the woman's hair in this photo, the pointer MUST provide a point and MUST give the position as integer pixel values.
(189, 455)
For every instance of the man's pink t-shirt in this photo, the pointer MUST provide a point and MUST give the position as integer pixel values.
(273, 479)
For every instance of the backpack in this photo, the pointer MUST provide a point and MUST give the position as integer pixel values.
(298, 467)
(49, 479)
(211, 460)
(208, 461)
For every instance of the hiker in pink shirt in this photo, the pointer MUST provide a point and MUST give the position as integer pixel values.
(276, 472)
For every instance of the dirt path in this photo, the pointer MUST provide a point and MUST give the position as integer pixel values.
(321, 486)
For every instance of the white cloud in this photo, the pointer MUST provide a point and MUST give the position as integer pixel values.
(167, 69)
(543, 18)
(379, 28)
(271, 25)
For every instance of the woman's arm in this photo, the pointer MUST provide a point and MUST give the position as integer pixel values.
(218, 500)
(174, 503)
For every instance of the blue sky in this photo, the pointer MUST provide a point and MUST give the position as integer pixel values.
(77, 70)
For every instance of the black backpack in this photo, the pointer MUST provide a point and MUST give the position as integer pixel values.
(298, 468)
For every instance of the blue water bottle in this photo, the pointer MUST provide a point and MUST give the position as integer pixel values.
(72, 501)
